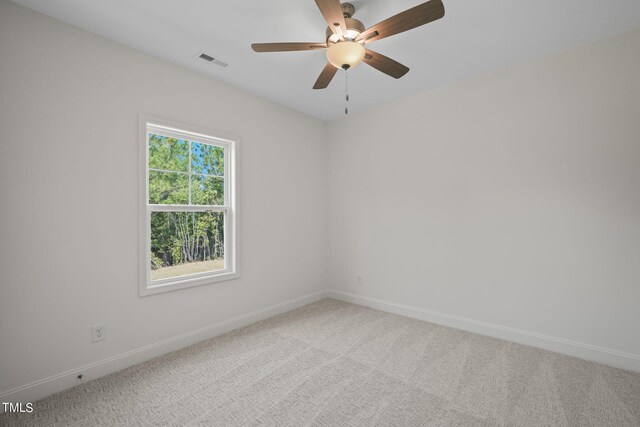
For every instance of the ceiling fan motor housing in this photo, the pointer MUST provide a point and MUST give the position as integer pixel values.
(354, 28)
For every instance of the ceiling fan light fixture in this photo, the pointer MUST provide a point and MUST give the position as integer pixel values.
(345, 54)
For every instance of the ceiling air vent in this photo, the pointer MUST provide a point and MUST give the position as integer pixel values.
(211, 59)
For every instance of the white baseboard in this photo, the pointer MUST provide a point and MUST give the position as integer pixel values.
(62, 381)
(593, 353)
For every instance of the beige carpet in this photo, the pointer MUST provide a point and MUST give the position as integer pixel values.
(332, 363)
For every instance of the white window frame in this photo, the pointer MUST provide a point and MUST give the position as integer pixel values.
(148, 124)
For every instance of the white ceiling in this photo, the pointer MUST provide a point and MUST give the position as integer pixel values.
(474, 37)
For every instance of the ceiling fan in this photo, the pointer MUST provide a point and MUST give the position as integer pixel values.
(347, 37)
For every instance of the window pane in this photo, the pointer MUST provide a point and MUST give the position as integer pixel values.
(207, 190)
(168, 188)
(168, 153)
(184, 243)
(207, 159)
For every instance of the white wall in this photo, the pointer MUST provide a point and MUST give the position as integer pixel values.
(69, 104)
(512, 198)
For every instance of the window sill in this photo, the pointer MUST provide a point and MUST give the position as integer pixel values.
(176, 285)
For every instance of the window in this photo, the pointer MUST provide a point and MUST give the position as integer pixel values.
(187, 207)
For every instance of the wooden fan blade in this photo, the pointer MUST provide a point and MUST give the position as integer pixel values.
(332, 12)
(384, 64)
(286, 47)
(407, 20)
(325, 76)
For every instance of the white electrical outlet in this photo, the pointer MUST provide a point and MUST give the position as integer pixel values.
(98, 332)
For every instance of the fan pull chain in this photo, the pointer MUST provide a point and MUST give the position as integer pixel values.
(346, 92)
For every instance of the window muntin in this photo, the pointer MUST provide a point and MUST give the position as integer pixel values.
(189, 208)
